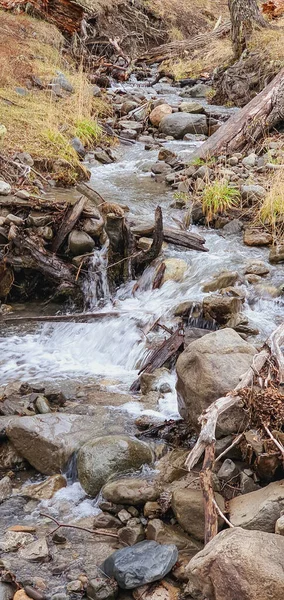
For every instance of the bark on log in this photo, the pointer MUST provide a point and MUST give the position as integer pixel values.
(210, 512)
(68, 223)
(245, 16)
(144, 258)
(186, 239)
(250, 124)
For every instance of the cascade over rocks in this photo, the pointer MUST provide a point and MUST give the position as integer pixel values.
(209, 368)
(238, 564)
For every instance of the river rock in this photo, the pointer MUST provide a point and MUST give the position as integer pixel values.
(178, 124)
(5, 188)
(128, 106)
(200, 90)
(276, 254)
(192, 107)
(5, 488)
(149, 562)
(221, 308)
(6, 591)
(99, 459)
(36, 551)
(247, 565)
(78, 147)
(233, 227)
(48, 441)
(209, 368)
(13, 540)
(158, 113)
(102, 588)
(279, 526)
(175, 269)
(252, 193)
(257, 267)
(250, 160)
(131, 491)
(46, 489)
(163, 533)
(228, 471)
(79, 242)
(260, 509)
(93, 227)
(188, 508)
(131, 534)
(255, 237)
(223, 280)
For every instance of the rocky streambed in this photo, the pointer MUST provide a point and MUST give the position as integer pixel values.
(78, 449)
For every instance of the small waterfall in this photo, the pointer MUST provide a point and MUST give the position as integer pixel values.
(196, 319)
(95, 287)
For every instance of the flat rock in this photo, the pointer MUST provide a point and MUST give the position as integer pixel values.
(36, 551)
(163, 533)
(46, 489)
(254, 237)
(132, 491)
(143, 563)
(188, 508)
(192, 107)
(260, 509)
(238, 564)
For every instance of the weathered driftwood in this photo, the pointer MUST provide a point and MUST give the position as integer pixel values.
(67, 224)
(208, 420)
(250, 124)
(74, 318)
(160, 355)
(186, 239)
(90, 193)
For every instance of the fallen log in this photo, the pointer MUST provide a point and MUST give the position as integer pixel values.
(160, 355)
(147, 257)
(73, 318)
(186, 239)
(208, 421)
(68, 223)
(251, 123)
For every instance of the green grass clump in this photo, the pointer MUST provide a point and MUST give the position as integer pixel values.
(218, 197)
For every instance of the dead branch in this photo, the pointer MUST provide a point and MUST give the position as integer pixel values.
(234, 443)
(276, 442)
(221, 514)
(210, 512)
(67, 224)
(64, 525)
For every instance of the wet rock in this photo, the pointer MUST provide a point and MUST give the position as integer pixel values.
(209, 368)
(160, 168)
(238, 564)
(78, 147)
(149, 382)
(178, 124)
(102, 588)
(5, 188)
(228, 470)
(5, 488)
(223, 280)
(255, 237)
(46, 489)
(188, 508)
(131, 491)
(279, 526)
(158, 113)
(257, 267)
(163, 533)
(36, 551)
(79, 242)
(131, 534)
(99, 459)
(221, 308)
(48, 441)
(233, 227)
(149, 562)
(13, 540)
(260, 509)
(103, 157)
(6, 591)
(276, 254)
(175, 269)
(192, 107)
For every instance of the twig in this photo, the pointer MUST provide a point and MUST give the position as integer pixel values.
(93, 531)
(222, 514)
(276, 442)
(234, 443)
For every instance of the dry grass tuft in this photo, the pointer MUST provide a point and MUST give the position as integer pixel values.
(271, 211)
(217, 53)
(270, 42)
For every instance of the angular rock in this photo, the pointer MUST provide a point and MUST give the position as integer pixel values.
(5, 488)
(131, 491)
(78, 146)
(188, 508)
(208, 369)
(140, 564)
(36, 551)
(131, 534)
(178, 124)
(9, 457)
(255, 237)
(260, 509)
(223, 280)
(79, 242)
(238, 564)
(163, 590)
(163, 533)
(276, 254)
(250, 160)
(279, 526)
(221, 308)
(158, 113)
(252, 193)
(13, 540)
(104, 457)
(46, 489)
(175, 269)
(228, 470)
(102, 588)
(257, 267)
(5, 188)
(106, 521)
(48, 441)
(233, 227)
(192, 107)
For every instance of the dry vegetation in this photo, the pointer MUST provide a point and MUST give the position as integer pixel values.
(39, 122)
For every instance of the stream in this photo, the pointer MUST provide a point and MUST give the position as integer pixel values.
(106, 354)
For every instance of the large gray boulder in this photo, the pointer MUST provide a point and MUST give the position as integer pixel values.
(209, 368)
(260, 509)
(238, 564)
(47, 441)
(104, 457)
(140, 564)
(178, 124)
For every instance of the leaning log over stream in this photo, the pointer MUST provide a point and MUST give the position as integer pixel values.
(250, 124)
(186, 239)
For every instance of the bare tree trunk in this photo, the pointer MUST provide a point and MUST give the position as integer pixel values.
(245, 15)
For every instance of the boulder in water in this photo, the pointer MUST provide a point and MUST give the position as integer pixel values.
(103, 457)
(178, 124)
(140, 564)
(158, 113)
(175, 269)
